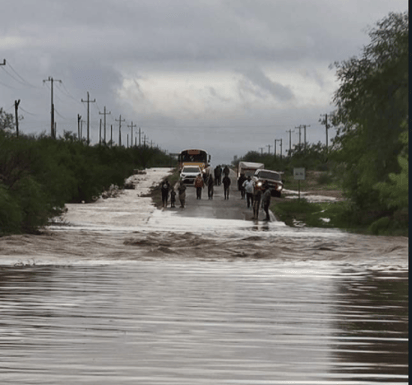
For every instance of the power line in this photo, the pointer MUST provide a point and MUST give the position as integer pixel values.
(60, 114)
(66, 93)
(27, 112)
(11, 87)
(24, 80)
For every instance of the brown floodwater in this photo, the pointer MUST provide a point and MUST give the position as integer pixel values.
(116, 296)
(167, 308)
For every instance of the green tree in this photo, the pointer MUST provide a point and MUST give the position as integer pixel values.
(372, 103)
(6, 121)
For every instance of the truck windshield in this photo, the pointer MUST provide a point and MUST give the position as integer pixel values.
(269, 175)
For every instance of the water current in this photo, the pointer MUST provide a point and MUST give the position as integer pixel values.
(108, 301)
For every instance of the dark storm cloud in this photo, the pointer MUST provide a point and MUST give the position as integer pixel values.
(97, 46)
(260, 80)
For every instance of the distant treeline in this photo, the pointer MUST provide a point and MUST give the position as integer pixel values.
(370, 153)
(38, 174)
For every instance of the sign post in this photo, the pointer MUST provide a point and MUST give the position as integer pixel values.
(299, 174)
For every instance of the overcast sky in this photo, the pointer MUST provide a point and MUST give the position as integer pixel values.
(229, 76)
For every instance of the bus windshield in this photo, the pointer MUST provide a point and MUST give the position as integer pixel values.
(193, 156)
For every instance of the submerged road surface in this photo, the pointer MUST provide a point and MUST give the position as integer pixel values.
(120, 292)
(218, 207)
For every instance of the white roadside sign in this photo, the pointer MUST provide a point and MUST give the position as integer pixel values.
(299, 173)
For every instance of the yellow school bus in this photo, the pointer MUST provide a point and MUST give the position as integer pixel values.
(194, 157)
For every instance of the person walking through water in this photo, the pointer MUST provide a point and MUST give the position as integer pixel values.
(199, 184)
(226, 183)
(266, 201)
(249, 190)
(172, 197)
(256, 202)
(226, 171)
(165, 187)
(182, 194)
(218, 175)
(210, 184)
(240, 187)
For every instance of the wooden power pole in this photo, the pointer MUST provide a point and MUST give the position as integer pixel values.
(104, 124)
(16, 110)
(51, 80)
(88, 101)
(131, 133)
(120, 128)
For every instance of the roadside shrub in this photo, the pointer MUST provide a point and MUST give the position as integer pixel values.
(10, 212)
(33, 202)
(324, 178)
(380, 226)
(38, 175)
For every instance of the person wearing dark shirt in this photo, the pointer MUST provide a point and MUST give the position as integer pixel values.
(226, 183)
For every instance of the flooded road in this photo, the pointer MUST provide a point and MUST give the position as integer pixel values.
(122, 293)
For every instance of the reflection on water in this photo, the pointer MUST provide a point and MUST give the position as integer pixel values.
(200, 321)
(126, 294)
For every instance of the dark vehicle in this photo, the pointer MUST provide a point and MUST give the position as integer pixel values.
(273, 178)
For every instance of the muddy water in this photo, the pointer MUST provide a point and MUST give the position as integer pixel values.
(228, 303)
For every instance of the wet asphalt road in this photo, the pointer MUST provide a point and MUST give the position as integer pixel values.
(218, 207)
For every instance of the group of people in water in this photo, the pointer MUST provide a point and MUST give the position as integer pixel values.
(256, 197)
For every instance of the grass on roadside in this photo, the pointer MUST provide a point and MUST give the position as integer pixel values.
(314, 180)
(301, 210)
(336, 215)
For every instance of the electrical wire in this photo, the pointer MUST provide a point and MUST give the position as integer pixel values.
(11, 87)
(65, 92)
(13, 77)
(58, 113)
(27, 112)
(24, 80)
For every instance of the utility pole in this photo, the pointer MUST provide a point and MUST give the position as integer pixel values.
(88, 101)
(268, 146)
(278, 140)
(280, 149)
(261, 150)
(300, 136)
(290, 140)
(304, 127)
(81, 128)
(79, 118)
(325, 122)
(104, 113)
(120, 128)
(51, 80)
(140, 134)
(111, 135)
(100, 132)
(131, 133)
(16, 110)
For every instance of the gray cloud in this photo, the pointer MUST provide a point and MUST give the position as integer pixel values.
(258, 78)
(94, 45)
